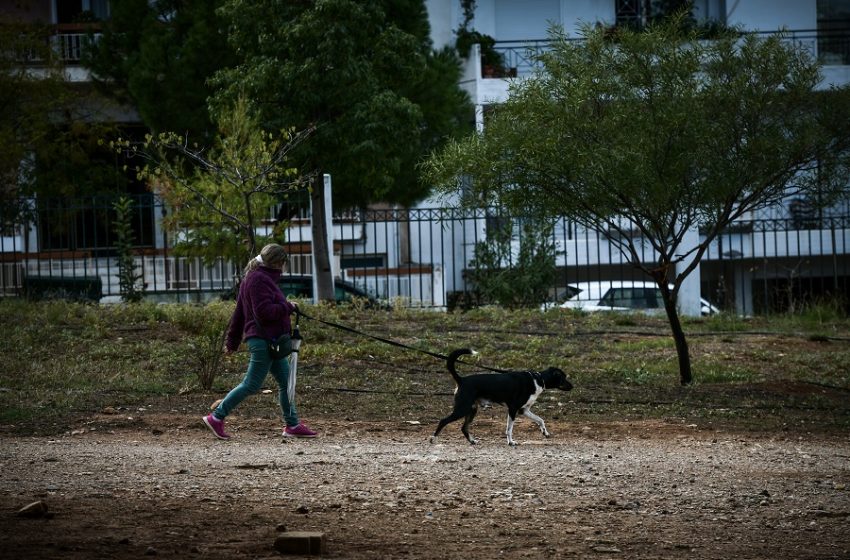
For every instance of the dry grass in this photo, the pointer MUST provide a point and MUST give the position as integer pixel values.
(62, 360)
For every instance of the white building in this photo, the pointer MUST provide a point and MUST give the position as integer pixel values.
(421, 253)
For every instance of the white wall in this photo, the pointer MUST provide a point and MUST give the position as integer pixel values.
(528, 20)
(509, 20)
(444, 19)
(771, 15)
(512, 20)
(576, 13)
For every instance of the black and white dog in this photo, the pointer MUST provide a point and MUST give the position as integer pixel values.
(518, 390)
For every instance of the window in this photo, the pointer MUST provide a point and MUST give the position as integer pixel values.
(631, 13)
(636, 14)
(834, 32)
(632, 298)
(79, 11)
(68, 11)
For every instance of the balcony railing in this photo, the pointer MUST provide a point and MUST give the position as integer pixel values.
(830, 48)
(70, 46)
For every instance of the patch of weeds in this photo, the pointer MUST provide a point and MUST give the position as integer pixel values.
(625, 320)
(647, 345)
(140, 313)
(725, 322)
(724, 375)
(207, 326)
(644, 373)
(824, 312)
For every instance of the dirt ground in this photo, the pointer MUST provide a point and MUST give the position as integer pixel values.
(160, 485)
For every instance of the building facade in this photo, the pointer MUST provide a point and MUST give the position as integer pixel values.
(422, 254)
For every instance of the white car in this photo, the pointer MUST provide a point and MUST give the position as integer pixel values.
(624, 296)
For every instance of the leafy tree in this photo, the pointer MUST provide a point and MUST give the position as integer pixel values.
(48, 130)
(364, 75)
(158, 56)
(218, 196)
(29, 101)
(654, 135)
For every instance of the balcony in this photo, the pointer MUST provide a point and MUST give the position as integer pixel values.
(830, 48)
(70, 46)
(70, 40)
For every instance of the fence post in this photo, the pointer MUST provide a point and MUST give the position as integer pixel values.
(689, 293)
(325, 214)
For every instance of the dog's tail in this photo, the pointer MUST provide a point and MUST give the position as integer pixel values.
(453, 357)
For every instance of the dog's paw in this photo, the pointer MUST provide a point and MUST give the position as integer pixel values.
(473, 441)
(433, 439)
(512, 443)
(547, 434)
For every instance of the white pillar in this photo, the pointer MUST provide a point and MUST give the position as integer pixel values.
(689, 292)
(328, 217)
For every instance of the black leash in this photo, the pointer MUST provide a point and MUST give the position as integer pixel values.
(390, 342)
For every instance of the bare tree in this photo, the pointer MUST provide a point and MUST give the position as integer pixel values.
(217, 196)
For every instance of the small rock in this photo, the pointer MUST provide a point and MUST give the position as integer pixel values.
(303, 510)
(34, 510)
(302, 543)
(151, 551)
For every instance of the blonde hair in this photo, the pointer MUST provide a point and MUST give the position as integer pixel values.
(272, 255)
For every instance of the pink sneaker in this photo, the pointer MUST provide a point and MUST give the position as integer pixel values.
(299, 431)
(216, 425)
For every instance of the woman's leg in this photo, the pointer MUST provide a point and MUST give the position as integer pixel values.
(258, 368)
(280, 372)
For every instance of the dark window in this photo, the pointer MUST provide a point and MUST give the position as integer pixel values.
(68, 11)
(632, 298)
(834, 32)
(86, 223)
(362, 261)
(631, 13)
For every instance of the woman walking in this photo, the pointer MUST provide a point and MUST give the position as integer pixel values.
(262, 313)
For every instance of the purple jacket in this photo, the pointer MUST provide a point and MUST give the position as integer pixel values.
(259, 300)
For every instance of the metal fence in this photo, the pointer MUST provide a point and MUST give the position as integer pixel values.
(829, 47)
(423, 257)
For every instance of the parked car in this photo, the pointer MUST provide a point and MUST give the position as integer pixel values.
(624, 296)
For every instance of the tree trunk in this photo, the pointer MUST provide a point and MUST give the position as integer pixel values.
(250, 232)
(678, 336)
(322, 260)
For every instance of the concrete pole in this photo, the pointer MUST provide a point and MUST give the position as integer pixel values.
(689, 293)
(326, 215)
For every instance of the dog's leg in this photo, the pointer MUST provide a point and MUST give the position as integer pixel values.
(466, 423)
(455, 415)
(510, 429)
(537, 420)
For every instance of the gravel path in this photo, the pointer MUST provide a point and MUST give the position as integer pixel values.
(380, 490)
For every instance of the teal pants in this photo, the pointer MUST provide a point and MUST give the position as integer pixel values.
(258, 368)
